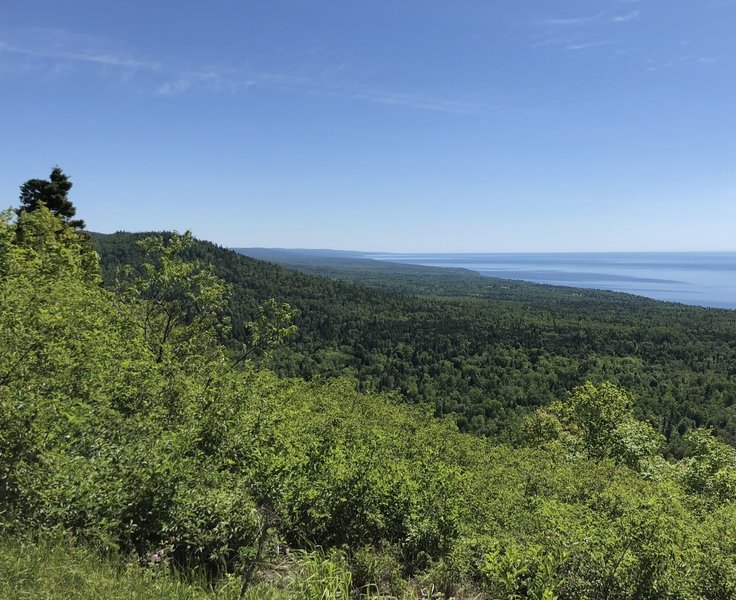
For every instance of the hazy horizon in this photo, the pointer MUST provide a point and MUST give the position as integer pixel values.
(466, 252)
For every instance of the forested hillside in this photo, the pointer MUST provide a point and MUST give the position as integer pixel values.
(135, 443)
(487, 351)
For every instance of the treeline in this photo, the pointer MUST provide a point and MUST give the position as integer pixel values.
(486, 351)
(128, 426)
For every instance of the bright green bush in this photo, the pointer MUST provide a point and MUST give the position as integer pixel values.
(710, 469)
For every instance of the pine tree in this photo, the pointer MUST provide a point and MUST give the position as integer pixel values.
(53, 193)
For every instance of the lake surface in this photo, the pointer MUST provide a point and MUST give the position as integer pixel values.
(700, 278)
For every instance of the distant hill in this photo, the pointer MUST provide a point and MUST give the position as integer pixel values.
(306, 254)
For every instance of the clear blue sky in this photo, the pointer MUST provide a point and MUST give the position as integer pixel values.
(385, 125)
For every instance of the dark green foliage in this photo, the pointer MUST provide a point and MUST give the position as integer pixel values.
(53, 193)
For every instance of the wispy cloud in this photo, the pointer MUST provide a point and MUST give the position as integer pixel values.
(415, 101)
(55, 46)
(601, 17)
(112, 60)
(212, 80)
(233, 80)
(696, 59)
(630, 16)
(572, 21)
(57, 52)
(586, 45)
(661, 63)
(571, 43)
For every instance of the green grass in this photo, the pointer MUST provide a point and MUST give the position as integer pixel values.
(54, 567)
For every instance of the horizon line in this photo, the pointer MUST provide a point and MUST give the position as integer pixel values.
(436, 252)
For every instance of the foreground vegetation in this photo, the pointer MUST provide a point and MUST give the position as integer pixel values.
(128, 426)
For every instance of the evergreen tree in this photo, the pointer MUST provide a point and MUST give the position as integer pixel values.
(53, 193)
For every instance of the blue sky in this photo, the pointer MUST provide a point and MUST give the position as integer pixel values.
(398, 125)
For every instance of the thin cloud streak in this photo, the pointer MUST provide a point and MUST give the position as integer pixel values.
(172, 82)
(631, 16)
(229, 80)
(586, 45)
(564, 22)
(418, 102)
(597, 18)
(211, 80)
(89, 57)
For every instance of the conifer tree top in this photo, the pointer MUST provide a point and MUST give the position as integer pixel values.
(53, 193)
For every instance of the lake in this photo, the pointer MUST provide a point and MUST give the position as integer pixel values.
(700, 278)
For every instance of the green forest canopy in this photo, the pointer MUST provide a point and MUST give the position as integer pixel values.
(487, 351)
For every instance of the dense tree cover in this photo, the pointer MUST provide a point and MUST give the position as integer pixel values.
(134, 431)
(486, 350)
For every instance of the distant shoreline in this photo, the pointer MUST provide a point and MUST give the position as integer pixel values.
(705, 279)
